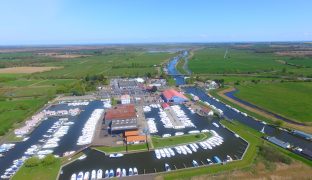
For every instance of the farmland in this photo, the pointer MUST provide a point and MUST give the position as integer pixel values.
(292, 100)
(40, 77)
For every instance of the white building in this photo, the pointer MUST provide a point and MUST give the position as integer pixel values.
(125, 99)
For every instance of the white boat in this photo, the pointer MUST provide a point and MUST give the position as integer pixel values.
(209, 161)
(195, 164)
(193, 147)
(203, 145)
(167, 167)
(178, 133)
(106, 174)
(167, 152)
(80, 176)
(99, 174)
(162, 153)
(130, 172)
(187, 149)
(183, 150)
(82, 157)
(86, 175)
(171, 152)
(166, 135)
(123, 172)
(111, 173)
(194, 132)
(135, 171)
(236, 135)
(73, 177)
(93, 174)
(116, 155)
(178, 150)
(118, 172)
(215, 124)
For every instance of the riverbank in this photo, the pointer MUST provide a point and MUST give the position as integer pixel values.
(258, 114)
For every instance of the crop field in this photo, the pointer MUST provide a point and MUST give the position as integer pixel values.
(118, 64)
(211, 60)
(292, 100)
(25, 70)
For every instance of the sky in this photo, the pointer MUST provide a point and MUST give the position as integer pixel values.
(39, 22)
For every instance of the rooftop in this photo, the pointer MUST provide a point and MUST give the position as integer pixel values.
(135, 138)
(131, 133)
(169, 93)
(127, 124)
(121, 112)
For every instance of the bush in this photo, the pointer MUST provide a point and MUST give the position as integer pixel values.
(32, 162)
(272, 155)
(48, 160)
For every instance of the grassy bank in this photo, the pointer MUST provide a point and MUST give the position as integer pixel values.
(291, 100)
(115, 149)
(170, 141)
(180, 66)
(39, 172)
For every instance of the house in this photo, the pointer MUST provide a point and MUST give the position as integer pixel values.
(173, 96)
(125, 99)
(204, 111)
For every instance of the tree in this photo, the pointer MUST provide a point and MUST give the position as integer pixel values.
(32, 162)
(48, 160)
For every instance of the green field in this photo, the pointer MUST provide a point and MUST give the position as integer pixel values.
(115, 149)
(40, 172)
(211, 60)
(170, 141)
(292, 100)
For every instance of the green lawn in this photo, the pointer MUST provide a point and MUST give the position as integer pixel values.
(41, 172)
(17, 110)
(163, 142)
(115, 149)
(292, 100)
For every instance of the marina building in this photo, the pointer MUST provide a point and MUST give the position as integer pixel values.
(121, 118)
(173, 96)
(133, 137)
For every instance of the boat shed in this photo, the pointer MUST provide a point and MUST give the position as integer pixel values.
(173, 96)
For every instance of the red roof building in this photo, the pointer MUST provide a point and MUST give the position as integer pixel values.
(174, 96)
(121, 112)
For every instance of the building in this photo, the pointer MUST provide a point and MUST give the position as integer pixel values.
(165, 106)
(173, 96)
(204, 111)
(127, 84)
(125, 99)
(133, 137)
(121, 118)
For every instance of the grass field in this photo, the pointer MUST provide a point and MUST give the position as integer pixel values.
(170, 141)
(41, 172)
(115, 149)
(292, 100)
(211, 60)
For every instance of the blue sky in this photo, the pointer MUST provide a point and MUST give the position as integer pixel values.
(150, 21)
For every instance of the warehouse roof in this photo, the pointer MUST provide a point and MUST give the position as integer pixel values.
(170, 93)
(126, 124)
(121, 112)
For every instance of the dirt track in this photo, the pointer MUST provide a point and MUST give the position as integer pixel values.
(26, 70)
